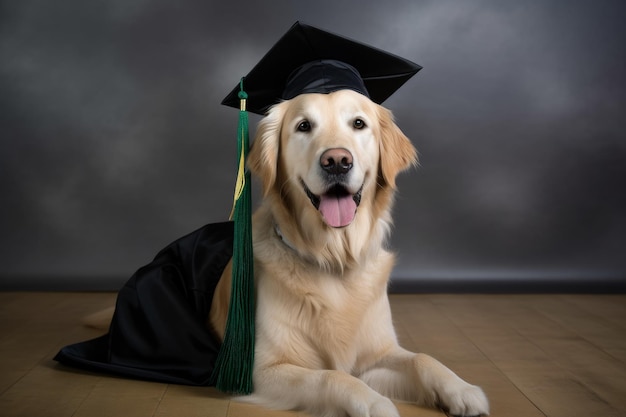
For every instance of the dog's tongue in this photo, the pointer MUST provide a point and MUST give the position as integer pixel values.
(338, 211)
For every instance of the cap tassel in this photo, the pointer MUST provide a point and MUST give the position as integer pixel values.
(233, 368)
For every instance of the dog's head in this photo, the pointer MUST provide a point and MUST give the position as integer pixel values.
(331, 159)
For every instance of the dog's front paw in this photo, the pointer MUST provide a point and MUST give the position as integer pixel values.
(376, 406)
(383, 408)
(464, 401)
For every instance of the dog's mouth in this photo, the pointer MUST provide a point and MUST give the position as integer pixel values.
(337, 205)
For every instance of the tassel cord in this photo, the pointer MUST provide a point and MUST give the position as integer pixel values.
(234, 365)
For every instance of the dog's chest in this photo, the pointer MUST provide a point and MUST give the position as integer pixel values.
(321, 320)
(338, 324)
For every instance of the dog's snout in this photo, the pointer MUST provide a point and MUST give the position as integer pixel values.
(336, 161)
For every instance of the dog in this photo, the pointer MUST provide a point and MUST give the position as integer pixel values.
(325, 342)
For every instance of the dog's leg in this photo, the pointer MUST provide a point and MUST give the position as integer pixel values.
(419, 378)
(319, 392)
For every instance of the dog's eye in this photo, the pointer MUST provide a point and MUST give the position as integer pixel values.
(304, 126)
(358, 124)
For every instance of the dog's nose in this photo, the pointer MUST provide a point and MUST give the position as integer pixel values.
(336, 161)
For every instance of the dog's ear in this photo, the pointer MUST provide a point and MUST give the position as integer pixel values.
(263, 157)
(397, 153)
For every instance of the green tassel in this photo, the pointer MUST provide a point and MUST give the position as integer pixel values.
(233, 368)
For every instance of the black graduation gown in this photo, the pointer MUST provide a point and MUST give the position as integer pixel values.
(158, 331)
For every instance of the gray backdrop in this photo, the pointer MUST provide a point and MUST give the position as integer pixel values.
(113, 140)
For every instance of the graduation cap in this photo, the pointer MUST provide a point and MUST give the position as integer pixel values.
(309, 60)
(304, 60)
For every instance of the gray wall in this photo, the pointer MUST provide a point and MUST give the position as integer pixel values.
(113, 141)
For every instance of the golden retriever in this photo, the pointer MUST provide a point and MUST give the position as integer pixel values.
(325, 342)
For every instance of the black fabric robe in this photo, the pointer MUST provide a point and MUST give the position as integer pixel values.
(158, 331)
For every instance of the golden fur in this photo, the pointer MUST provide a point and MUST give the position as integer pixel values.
(325, 342)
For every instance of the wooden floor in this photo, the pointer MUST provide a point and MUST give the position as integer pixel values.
(534, 355)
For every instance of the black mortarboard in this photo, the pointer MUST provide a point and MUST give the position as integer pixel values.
(309, 60)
